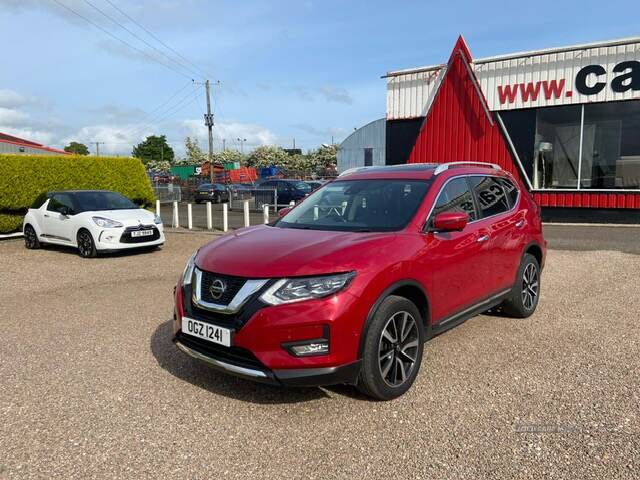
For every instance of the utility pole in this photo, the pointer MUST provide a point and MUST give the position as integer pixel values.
(294, 143)
(242, 140)
(208, 121)
(224, 144)
(98, 148)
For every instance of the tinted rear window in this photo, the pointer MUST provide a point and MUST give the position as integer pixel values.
(492, 198)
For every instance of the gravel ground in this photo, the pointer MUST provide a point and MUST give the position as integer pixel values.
(91, 386)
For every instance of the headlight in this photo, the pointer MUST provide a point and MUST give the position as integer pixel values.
(188, 269)
(157, 220)
(106, 222)
(290, 290)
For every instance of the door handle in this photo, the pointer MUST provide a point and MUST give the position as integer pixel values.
(520, 223)
(483, 238)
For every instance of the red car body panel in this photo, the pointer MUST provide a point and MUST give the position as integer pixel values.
(454, 270)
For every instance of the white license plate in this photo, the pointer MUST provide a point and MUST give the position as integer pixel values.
(206, 331)
(142, 233)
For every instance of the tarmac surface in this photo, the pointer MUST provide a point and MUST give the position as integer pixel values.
(92, 387)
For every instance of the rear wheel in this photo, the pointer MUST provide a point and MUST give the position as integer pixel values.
(86, 245)
(392, 350)
(216, 198)
(524, 296)
(31, 238)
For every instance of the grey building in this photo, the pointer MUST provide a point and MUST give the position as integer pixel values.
(364, 147)
(20, 146)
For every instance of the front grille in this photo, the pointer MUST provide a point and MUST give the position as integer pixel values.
(232, 287)
(233, 355)
(127, 238)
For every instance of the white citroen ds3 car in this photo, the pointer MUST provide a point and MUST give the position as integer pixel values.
(93, 221)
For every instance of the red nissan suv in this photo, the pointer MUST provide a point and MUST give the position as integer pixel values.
(348, 285)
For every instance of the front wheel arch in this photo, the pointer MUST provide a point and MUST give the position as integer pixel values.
(413, 291)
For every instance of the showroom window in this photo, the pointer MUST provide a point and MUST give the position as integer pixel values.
(587, 147)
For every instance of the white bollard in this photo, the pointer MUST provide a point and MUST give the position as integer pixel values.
(158, 207)
(176, 221)
(189, 217)
(292, 203)
(209, 216)
(246, 213)
(225, 217)
(265, 210)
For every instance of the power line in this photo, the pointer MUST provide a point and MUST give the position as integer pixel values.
(109, 17)
(157, 39)
(150, 113)
(121, 40)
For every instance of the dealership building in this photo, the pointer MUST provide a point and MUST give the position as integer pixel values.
(565, 121)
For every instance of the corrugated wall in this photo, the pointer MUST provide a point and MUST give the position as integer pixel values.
(561, 66)
(351, 151)
(409, 95)
(458, 128)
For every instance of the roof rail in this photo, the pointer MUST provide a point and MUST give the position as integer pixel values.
(445, 166)
(349, 171)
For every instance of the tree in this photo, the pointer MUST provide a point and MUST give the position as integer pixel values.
(193, 152)
(154, 148)
(325, 157)
(77, 148)
(227, 156)
(266, 156)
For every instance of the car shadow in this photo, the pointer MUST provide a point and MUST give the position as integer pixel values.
(68, 249)
(201, 375)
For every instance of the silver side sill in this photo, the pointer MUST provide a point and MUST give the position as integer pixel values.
(248, 372)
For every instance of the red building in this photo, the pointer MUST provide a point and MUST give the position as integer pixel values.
(566, 121)
(15, 145)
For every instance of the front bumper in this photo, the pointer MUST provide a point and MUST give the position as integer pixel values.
(294, 377)
(110, 239)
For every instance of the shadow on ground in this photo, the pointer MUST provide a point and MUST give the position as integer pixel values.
(201, 375)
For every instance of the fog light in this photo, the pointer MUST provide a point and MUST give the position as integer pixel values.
(311, 347)
(315, 348)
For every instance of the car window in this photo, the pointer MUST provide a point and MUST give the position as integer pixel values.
(91, 201)
(359, 206)
(491, 197)
(303, 186)
(455, 196)
(282, 187)
(39, 201)
(268, 185)
(204, 185)
(60, 200)
(511, 191)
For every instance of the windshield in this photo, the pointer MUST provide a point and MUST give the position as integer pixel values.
(95, 201)
(302, 186)
(359, 205)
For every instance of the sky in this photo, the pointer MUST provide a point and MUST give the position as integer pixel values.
(115, 71)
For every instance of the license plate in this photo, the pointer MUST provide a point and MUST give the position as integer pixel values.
(142, 233)
(206, 331)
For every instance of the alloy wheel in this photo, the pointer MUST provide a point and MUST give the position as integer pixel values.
(398, 348)
(530, 286)
(30, 238)
(85, 244)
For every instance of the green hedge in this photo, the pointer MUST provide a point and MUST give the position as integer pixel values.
(24, 177)
(10, 223)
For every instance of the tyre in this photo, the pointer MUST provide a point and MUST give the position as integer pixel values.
(86, 245)
(198, 201)
(216, 199)
(31, 238)
(524, 296)
(392, 351)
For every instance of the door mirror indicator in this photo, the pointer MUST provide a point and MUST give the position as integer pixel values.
(450, 222)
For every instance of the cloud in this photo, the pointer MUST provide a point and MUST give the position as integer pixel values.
(256, 135)
(337, 132)
(10, 116)
(329, 93)
(11, 98)
(335, 94)
(115, 139)
(27, 133)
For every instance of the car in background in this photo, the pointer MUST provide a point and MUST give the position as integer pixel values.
(211, 192)
(242, 190)
(93, 221)
(360, 274)
(315, 184)
(288, 190)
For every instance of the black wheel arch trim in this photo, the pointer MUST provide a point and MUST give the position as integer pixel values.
(385, 293)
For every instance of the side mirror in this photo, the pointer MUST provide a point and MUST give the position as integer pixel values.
(283, 211)
(66, 211)
(450, 222)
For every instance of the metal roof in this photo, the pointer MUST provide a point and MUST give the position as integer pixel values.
(531, 53)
